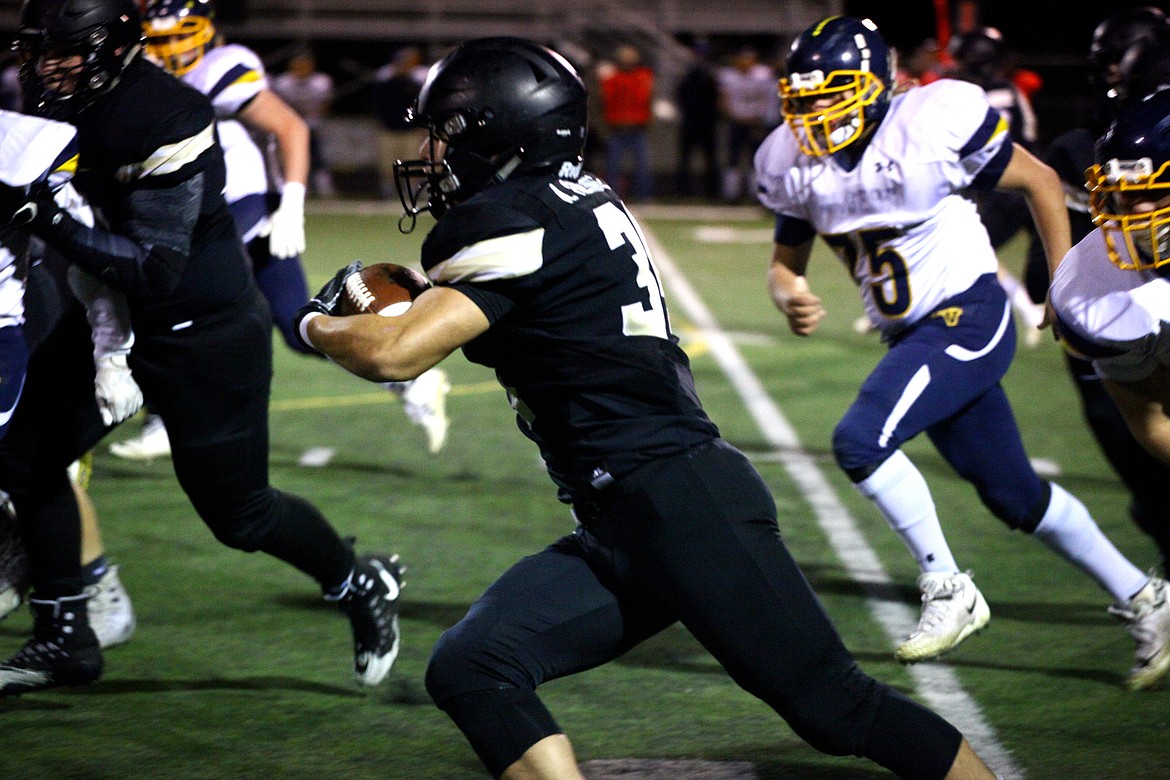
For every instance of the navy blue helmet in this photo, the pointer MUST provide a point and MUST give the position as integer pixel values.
(1145, 66)
(838, 83)
(500, 106)
(178, 32)
(1129, 183)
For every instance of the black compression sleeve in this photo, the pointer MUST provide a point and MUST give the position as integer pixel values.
(117, 260)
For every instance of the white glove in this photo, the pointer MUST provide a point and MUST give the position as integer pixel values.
(286, 225)
(118, 395)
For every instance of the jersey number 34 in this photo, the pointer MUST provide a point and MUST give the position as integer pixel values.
(646, 317)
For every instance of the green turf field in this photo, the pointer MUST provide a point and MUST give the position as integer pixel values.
(238, 670)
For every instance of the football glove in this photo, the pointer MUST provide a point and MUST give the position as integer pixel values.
(286, 226)
(118, 395)
(326, 301)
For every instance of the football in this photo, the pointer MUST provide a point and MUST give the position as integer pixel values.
(382, 288)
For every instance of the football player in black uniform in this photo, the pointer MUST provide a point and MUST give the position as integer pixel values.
(541, 273)
(1128, 57)
(151, 167)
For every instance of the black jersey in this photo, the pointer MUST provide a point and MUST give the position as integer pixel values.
(1070, 154)
(152, 168)
(580, 336)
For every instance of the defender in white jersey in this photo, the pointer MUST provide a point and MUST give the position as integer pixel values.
(40, 153)
(1111, 295)
(267, 202)
(881, 178)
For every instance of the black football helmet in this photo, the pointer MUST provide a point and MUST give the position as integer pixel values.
(1145, 66)
(979, 52)
(1118, 35)
(72, 51)
(492, 108)
(178, 32)
(1129, 184)
(840, 76)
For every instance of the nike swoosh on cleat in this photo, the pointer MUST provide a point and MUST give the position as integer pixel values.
(388, 579)
(971, 606)
(23, 677)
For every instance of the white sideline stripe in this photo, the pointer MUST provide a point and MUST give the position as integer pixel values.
(936, 683)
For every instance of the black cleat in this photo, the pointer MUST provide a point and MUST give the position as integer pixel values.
(372, 605)
(63, 649)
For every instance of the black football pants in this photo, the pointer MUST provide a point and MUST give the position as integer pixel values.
(694, 539)
(210, 381)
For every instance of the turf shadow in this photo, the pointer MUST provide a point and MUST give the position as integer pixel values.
(1103, 676)
(264, 683)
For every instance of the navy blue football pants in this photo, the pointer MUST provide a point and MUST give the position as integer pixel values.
(942, 376)
(13, 364)
(281, 280)
(692, 538)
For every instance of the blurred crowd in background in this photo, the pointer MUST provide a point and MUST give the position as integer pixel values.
(676, 125)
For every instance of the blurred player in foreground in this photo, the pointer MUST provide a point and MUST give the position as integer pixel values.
(1112, 300)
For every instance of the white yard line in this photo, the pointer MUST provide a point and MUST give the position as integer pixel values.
(936, 683)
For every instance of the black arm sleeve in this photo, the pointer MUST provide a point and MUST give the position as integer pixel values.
(147, 263)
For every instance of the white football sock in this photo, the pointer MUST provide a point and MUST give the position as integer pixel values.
(1028, 310)
(900, 493)
(1068, 529)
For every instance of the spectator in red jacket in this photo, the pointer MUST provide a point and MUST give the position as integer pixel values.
(627, 95)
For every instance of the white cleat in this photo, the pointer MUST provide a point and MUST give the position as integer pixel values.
(13, 561)
(425, 401)
(952, 610)
(10, 599)
(152, 443)
(1147, 618)
(111, 615)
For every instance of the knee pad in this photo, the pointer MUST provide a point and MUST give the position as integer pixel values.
(1020, 509)
(500, 724)
(856, 449)
(833, 706)
(500, 719)
(461, 663)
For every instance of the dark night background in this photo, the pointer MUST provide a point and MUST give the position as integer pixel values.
(1050, 38)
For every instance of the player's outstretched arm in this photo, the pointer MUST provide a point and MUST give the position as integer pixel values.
(790, 289)
(1044, 192)
(969, 766)
(267, 113)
